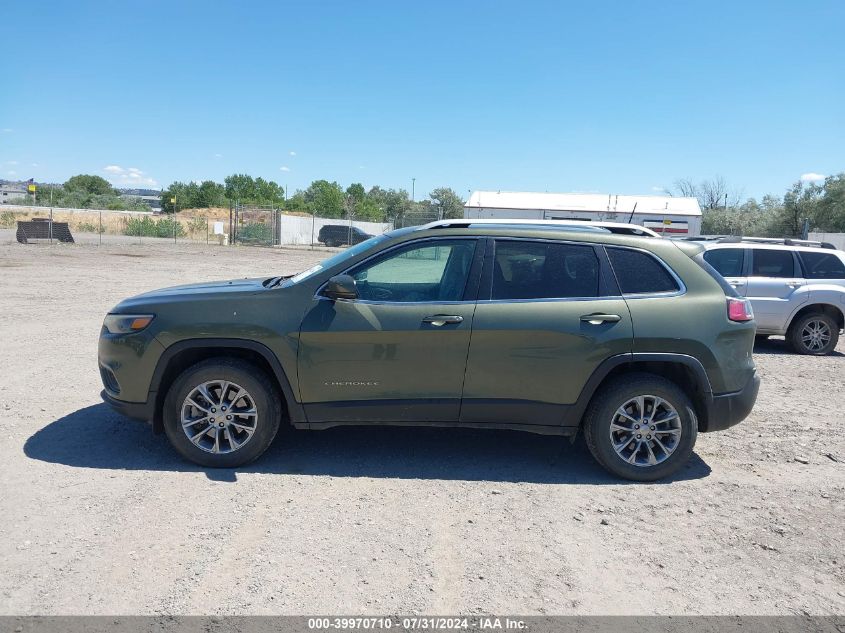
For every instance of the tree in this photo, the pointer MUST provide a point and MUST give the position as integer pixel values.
(448, 203)
(239, 187)
(711, 194)
(325, 199)
(830, 210)
(799, 203)
(91, 185)
(393, 203)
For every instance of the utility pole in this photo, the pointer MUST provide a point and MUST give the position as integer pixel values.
(413, 188)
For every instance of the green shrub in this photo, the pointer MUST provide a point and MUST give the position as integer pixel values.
(258, 233)
(147, 227)
(168, 227)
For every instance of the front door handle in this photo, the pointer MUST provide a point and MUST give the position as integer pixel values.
(439, 320)
(598, 319)
(794, 284)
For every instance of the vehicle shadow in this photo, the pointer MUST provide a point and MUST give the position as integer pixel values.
(779, 347)
(96, 437)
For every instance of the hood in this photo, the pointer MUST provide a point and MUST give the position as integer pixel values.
(194, 292)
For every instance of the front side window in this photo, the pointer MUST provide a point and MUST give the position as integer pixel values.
(772, 263)
(727, 261)
(544, 270)
(431, 271)
(640, 273)
(822, 265)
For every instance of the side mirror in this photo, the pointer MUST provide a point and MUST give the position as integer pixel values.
(341, 287)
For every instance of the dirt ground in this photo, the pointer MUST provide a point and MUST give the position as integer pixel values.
(101, 517)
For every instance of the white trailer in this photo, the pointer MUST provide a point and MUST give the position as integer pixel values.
(666, 215)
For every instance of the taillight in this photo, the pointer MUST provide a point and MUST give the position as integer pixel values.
(739, 309)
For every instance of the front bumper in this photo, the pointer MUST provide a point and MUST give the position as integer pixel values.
(728, 409)
(136, 410)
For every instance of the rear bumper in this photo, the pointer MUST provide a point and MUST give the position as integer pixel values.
(729, 409)
(136, 410)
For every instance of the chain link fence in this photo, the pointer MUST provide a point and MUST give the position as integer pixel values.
(93, 226)
(248, 225)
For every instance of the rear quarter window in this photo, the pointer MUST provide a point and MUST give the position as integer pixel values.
(822, 265)
(640, 273)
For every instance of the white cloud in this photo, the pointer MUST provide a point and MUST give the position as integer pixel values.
(11, 172)
(812, 177)
(217, 155)
(129, 177)
(7, 130)
(284, 168)
(361, 167)
(35, 164)
(11, 162)
(293, 153)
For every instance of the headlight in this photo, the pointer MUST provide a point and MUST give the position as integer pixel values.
(126, 323)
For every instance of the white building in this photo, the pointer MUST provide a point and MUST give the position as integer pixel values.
(13, 191)
(663, 214)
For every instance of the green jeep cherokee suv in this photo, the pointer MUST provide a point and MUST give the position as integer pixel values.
(637, 341)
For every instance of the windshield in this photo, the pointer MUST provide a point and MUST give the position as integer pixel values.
(349, 253)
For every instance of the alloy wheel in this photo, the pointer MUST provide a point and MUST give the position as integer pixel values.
(815, 335)
(645, 430)
(219, 416)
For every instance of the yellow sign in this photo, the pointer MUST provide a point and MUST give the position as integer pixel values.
(667, 221)
(31, 188)
(173, 200)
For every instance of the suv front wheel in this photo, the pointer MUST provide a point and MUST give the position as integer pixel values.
(815, 334)
(641, 427)
(221, 413)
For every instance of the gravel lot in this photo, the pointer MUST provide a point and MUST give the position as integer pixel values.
(102, 517)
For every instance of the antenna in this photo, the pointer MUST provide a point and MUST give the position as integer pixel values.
(632, 213)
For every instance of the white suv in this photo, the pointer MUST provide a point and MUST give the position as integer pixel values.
(796, 287)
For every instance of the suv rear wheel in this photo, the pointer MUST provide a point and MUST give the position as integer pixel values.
(815, 334)
(222, 413)
(641, 427)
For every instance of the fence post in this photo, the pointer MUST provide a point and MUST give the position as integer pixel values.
(100, 231)
(206, 231)
(51, 222)
(313, 222)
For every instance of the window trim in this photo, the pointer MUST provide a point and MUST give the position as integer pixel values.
(470, 290)
(682, 288)
(605, 282)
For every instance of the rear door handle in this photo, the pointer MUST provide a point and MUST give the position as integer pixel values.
(598, 319)
(439, 320)
(794, 284)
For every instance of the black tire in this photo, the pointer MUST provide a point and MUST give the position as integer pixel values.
(602, 412)
(330, 243)
(796, 334)
(260, 388)
(761, 338)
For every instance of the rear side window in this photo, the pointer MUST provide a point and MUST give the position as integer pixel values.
(544, 270)
(822, 265)
(640, 273)
(727, 261)
(772, 263)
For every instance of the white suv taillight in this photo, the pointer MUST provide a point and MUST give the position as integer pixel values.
(739, 309)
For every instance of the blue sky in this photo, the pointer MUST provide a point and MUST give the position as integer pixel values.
(622, 97)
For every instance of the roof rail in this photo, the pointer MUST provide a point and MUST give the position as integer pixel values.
(612, 227)
(786, 241)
